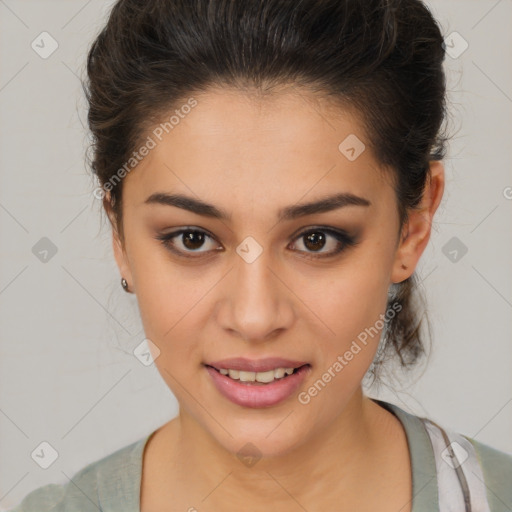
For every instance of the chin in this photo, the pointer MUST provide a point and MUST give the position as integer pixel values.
(255, 438)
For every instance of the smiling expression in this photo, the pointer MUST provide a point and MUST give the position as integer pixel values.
(248, 233)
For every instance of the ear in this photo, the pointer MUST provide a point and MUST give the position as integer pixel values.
(117, 246)
(416, 231)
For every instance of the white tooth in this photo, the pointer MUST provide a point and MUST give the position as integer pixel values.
(234, 374)
(265, 376)
(279, 373)
(246, 376)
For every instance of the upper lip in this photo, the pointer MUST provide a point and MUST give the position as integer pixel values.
(255, 365)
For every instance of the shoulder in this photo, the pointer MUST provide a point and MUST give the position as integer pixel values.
(497, 471)
(492, 459)
(113, 477)
(487, 470)
(77, 494)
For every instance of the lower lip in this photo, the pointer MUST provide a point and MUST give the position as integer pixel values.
(254, 395)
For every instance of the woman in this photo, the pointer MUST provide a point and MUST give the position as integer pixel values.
(271, 170)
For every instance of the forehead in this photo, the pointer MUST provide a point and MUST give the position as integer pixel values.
(276, 148)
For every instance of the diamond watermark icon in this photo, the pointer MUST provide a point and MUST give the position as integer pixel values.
(456, 456)
(44, 455)
(146, 352)
(249, 250)
(352, 147)
(249, 455)
(455, 45)
(454, 249)
(44, 249)
(44, 45)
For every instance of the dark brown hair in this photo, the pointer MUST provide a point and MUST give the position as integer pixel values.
(384, 58)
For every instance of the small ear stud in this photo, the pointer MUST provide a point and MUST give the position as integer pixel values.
(124, 284)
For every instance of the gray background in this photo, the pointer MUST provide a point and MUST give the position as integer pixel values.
(67, 375)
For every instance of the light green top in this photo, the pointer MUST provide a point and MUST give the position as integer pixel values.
(112, 484)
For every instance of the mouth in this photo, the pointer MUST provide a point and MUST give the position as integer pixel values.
(258, 389)
(254, 378)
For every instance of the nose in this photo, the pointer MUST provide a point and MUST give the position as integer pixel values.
(257, 305)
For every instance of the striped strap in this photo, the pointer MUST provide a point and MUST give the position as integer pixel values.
(460, 479)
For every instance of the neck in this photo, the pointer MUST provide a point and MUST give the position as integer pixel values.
(340, 458)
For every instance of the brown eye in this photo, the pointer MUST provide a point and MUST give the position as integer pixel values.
(187, 241)
(314, 240)
(193, 240)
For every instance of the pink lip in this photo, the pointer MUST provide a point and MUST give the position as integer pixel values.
(255, 365)
(255, 395)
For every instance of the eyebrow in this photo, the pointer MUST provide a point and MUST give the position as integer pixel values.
(199, 207)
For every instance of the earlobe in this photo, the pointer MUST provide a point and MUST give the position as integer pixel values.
(416, 232)
(117, 248)
(122, 262)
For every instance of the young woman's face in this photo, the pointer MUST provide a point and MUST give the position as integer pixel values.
(258, 284)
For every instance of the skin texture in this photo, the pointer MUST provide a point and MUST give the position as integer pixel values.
(252, 156)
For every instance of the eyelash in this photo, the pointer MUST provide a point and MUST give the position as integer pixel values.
(344, 240)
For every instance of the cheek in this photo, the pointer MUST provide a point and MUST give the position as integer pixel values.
(169, 310)
(356, 292)
(169, 300)
(352, 311)
(352, 306)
